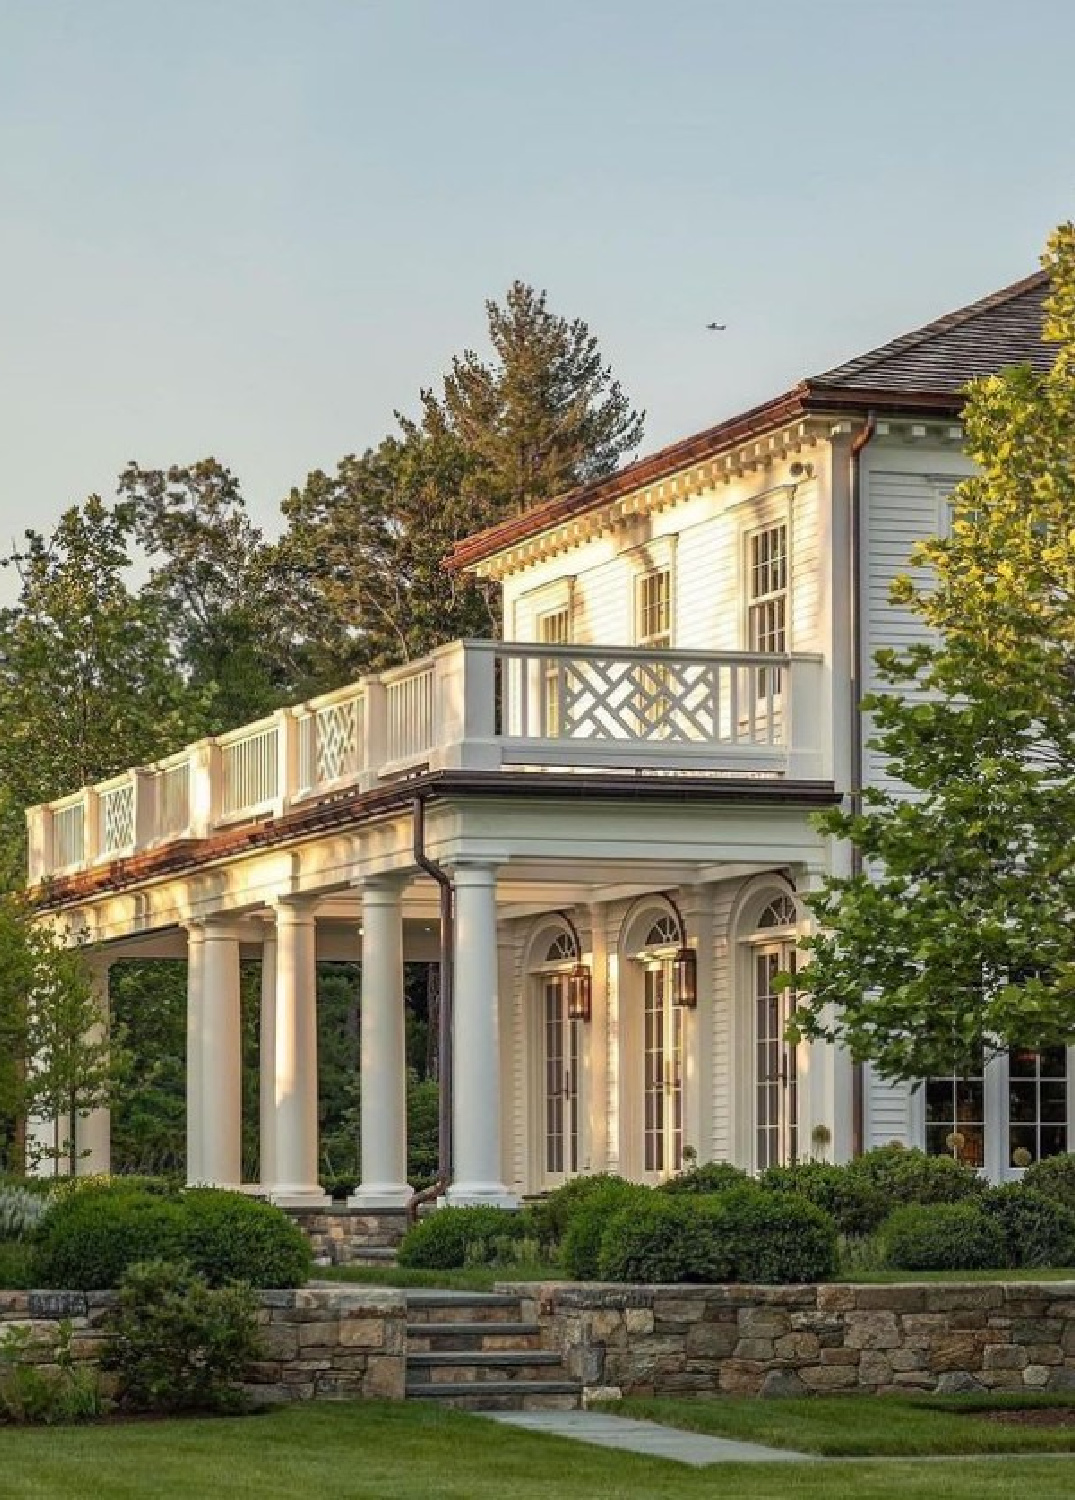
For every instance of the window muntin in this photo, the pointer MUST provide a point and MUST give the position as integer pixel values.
(955, 1117)
(768, 589)
(653, 609)
(1037, 1104)
(554, 629)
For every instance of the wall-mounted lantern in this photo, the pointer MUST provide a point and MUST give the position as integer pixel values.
(580, 980)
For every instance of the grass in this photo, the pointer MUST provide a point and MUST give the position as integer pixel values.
(1032, 1273)
(854, 1426)
(411, 1452)
(467, 1279)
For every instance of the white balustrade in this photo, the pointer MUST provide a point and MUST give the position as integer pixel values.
(250, 765)
(472, 704)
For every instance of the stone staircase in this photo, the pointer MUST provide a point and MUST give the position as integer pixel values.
(473, 1350)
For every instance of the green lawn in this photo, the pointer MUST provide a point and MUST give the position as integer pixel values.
(469, 1278)
(1038, 1273)
(410, 1452)
(849, 1426)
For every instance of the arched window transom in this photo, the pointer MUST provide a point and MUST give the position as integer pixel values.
(561, 949)
(781, 912)
(663, 933)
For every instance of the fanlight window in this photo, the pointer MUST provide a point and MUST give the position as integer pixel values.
(779, 913)
(663, 933)
(562, 949)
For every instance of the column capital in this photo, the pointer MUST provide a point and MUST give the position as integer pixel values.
(476, 872)
(393, 881)
(225, 928)
(292, 911)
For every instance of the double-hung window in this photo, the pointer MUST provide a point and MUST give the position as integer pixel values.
(554, 629)
(767, 599)
(653, 630)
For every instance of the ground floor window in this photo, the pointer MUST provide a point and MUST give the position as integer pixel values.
(1011, 1111)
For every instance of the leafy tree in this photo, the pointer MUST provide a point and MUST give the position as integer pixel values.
(86, 683)
(544, 416)
(358, 582)
(958, 937)
(204, 553)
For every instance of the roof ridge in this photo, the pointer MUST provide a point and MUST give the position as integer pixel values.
(944, 324)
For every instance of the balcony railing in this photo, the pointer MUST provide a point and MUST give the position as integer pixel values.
(474, 704)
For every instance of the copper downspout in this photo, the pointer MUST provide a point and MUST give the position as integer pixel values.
(858, 443)
(444, 1027)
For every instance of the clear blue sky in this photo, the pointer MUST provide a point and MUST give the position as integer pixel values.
(253, 228)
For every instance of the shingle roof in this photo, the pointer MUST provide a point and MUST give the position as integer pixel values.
(923, 371)
(999, 330)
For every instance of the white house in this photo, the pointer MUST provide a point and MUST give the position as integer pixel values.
(616, 799)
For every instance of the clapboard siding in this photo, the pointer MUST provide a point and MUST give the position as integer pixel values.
(703, 540)
(887, 1111)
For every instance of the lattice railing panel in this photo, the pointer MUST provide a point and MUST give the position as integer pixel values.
(337, 740)
(116, 810)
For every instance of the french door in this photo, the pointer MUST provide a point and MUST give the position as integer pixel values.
(776, 1085)
(663, 1073)
(562, 1071)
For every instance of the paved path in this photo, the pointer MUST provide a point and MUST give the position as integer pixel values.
(628, 1435)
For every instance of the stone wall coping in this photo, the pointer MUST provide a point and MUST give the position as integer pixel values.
(349, 1297)
(601, 1294)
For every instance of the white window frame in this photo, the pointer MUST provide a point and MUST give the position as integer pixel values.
(751, 602)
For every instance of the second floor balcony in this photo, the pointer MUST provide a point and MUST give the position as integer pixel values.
(471, 705)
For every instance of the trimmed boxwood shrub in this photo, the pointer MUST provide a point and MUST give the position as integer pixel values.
(709, 1177)
(777, 1237)
(1036, 1230)
(551, 1214)
(666, 1239)
(88, 1239)
(1054, 1177)
(856, 1204)
(454, 1237)
(943, 1237)
(580, 1249)
(905, 1175)
(229, 1237)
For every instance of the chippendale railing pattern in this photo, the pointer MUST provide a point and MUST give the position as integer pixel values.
(479, 705)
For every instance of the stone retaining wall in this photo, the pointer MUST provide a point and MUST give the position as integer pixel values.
(747, 1340)
(340, 1235)
(318, 1343)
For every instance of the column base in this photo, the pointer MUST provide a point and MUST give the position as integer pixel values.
(480, 1195)
(287, 1196)
(379, 1195)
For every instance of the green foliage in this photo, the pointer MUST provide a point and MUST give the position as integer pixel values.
(587, 1218)
(554, 1211)
(228, 1237)
(957, 936)
(16, 1265)
(453, 1237)
(943, 1237)
(907, 1175)
(666, 1240)
(1036, 1230)
(1054, 1177)
(88, 1238)
(855, 1203)
(709, 1177)
(179, 1344)
(423, 1127)
(776, 1237)
(40, 1383)
(19, 1212)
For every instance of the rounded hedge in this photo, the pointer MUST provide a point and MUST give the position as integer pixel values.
(1036, 1230)
(709, 1177)
(856, 1204)
(943, 1237)
(229, 1237)
(551, 1215)
(454, 1237)
(905, 1175)
(1053, 1177)
(87, 1240)
(777, 1237)
(665, 1239)
(580, 1249)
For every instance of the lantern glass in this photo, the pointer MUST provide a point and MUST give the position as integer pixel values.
(579, 993)
(685, 978)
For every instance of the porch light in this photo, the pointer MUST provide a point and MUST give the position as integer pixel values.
(579, 990)
(685, 977)
(580, 980)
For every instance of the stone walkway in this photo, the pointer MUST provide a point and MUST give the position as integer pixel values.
(630, 1436)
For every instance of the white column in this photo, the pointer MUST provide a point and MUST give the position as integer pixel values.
(267, 1063)
(294, 1103)
(195, 986)
(476, 1051)
(93, 1129)
(384, 1053)
(221, 1054)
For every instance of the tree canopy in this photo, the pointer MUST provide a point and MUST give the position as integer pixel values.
(958, 938)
